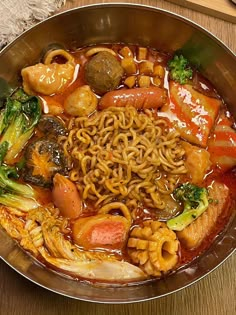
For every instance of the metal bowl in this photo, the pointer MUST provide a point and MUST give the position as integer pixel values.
(134, 24)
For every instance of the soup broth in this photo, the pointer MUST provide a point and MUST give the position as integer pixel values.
(118, 163)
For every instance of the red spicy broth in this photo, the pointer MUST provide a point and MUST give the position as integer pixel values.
(142, 68)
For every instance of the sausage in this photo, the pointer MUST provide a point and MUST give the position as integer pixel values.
(140, 98)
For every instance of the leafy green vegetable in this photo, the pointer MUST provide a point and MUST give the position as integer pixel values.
(195, 201)
(14, 194)
(17, 120)
(9, 185)
(20, 96)
(3, 150)
(179, 69)
(12, 110)
(19, 202)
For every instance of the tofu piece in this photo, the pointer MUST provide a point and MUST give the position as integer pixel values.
(157, 81)
(130, 81)
(128, 64)
(192, 113)
(193, 235)
(144, 81)
(126, 52)
(159, 71)
(146, 67)
(142, 53)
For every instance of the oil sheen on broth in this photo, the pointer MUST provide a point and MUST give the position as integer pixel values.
(124, 168)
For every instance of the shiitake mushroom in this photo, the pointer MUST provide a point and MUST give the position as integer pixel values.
(43, 159)
(52, 126)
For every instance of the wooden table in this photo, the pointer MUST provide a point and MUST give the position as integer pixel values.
(214, 295)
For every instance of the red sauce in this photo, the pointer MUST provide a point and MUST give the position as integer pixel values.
(187, 255)
(228, 178)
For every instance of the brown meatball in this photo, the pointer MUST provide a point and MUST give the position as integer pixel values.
(103, 72)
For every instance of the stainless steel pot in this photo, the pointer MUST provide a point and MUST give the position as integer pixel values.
(136, 24)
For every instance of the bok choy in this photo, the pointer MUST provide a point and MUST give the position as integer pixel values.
(13, 193)
(17, 122)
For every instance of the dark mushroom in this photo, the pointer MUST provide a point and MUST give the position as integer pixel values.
(52, 126)
(103, 72)
(44, 158)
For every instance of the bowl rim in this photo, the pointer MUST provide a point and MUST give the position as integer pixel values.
(139, 7)
(123, 4)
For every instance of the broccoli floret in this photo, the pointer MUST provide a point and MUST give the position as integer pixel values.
(195, 201)
(179, 69)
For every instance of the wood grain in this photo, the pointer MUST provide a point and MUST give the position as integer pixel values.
(223, 9)
(213, 295)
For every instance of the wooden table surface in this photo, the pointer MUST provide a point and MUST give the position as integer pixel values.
(214, 295)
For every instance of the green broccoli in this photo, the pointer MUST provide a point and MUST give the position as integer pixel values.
(195, 201)
(179, 69)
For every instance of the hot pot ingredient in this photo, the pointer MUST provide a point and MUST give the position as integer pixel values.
(193, 114)
(14, 194)
(103, 72)
(120, 154)
(222, 143)
(66, 197)
(195, 201)
(44, 158)
(95, 50)
(43, 233)
(48, 78)
(180, 70)
(97, 267)
(19, 202)
(82, 102)
(15, 227)
(140, 98)
(7, 174)
(52, 126)
(153, 247)
(17, 121)
(57, 53)
(101, 231)
(126, 161)
(193, 235)
(197, 162)
(118, 208)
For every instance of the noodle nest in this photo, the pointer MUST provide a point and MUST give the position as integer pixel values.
(120, 154)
